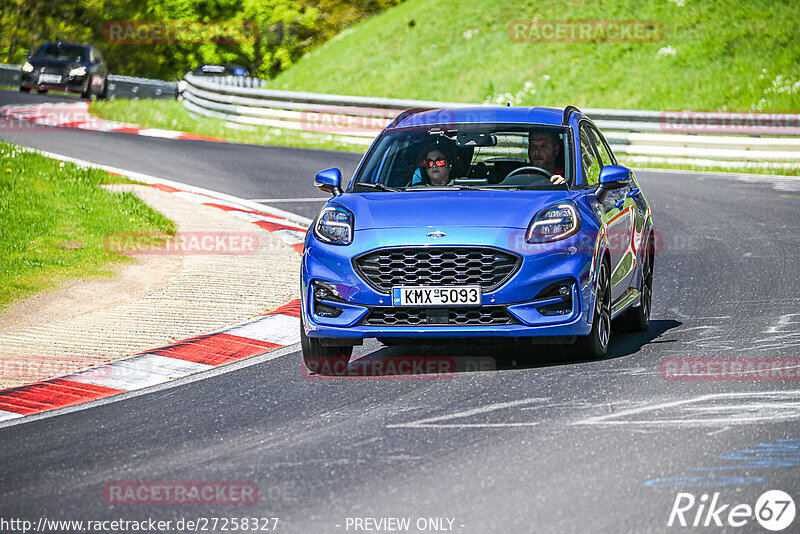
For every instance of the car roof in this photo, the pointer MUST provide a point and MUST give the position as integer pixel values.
(66, 43)
(482, 114)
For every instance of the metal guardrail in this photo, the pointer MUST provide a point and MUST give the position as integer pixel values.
(118, 86)
(724, 139)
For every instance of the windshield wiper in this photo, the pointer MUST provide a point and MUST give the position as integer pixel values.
(379, 187)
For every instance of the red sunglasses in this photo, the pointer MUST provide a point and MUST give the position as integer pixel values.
(439, 162)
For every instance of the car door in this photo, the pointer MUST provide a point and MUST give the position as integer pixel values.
(615, 215)
(635, 208)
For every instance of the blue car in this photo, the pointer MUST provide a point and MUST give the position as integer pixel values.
(478, 223)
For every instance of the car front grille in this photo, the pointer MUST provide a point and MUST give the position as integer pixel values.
(437, 266)
(409, 316)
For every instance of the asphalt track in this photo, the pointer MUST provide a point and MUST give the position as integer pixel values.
(513, 442)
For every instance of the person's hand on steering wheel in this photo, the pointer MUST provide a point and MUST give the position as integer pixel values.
(555, 179)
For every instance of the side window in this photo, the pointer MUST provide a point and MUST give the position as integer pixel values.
(591, 167)
(606, 157)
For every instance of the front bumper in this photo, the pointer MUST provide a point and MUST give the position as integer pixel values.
(69, 84)
(541, 266)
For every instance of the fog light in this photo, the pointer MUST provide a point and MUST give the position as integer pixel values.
(323, 310)
(328, 294)
(561, 290)
(324, 291)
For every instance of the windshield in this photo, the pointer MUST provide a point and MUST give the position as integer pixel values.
(76, 54)
(467, 156)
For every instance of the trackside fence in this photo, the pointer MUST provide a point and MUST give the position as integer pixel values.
(713, 139)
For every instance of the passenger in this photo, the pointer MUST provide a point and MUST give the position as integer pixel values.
(544, 150)
(437, 161)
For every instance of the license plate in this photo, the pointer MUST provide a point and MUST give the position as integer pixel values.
(436, 296)
(50, 78)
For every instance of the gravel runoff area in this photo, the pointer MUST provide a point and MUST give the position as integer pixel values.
(160, 299)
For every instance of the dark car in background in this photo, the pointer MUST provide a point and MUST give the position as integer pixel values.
(71, 67)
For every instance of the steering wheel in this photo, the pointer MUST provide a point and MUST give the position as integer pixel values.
(538, 170)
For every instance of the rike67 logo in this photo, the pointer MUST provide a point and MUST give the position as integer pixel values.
(774, 510)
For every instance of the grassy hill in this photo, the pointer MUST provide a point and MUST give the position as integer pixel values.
(714, 55)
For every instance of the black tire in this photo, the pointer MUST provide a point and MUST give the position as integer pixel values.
(595, 345)
(24, 89)
(42, 91)
(321, 359)
(638, 319)
(86, 94)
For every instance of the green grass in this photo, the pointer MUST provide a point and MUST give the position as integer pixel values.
(53, 221)
(729, 55)
(171, 115)
(766, 169)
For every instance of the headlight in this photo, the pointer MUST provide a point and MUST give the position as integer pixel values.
(335, 226)
(78, 71)
(554, 223)
(27, 67)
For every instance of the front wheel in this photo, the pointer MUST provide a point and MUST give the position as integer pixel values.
(24, 89)
(595, 345)
(322, 359)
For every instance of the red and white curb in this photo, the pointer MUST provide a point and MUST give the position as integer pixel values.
(76, 115)
(274, 330)
(287, 231)
(277, 329)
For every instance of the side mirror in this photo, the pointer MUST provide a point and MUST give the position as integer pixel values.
(329, 181)
(612, 177)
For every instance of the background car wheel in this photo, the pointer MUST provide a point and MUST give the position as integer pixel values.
(321, 359)
(595, 345)
(24, 90)
(86, 94)
(42, 91)
(638, 319)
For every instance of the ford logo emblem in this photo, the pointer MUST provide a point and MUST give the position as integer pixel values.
(436, 235)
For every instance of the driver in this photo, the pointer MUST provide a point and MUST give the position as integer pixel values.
(543, 150)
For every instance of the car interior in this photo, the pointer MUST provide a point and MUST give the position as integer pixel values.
(482, 159)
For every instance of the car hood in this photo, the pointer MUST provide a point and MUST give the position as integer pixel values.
(49, 62)
(498, 209)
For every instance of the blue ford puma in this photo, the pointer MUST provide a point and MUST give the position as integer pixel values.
(478, 222)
